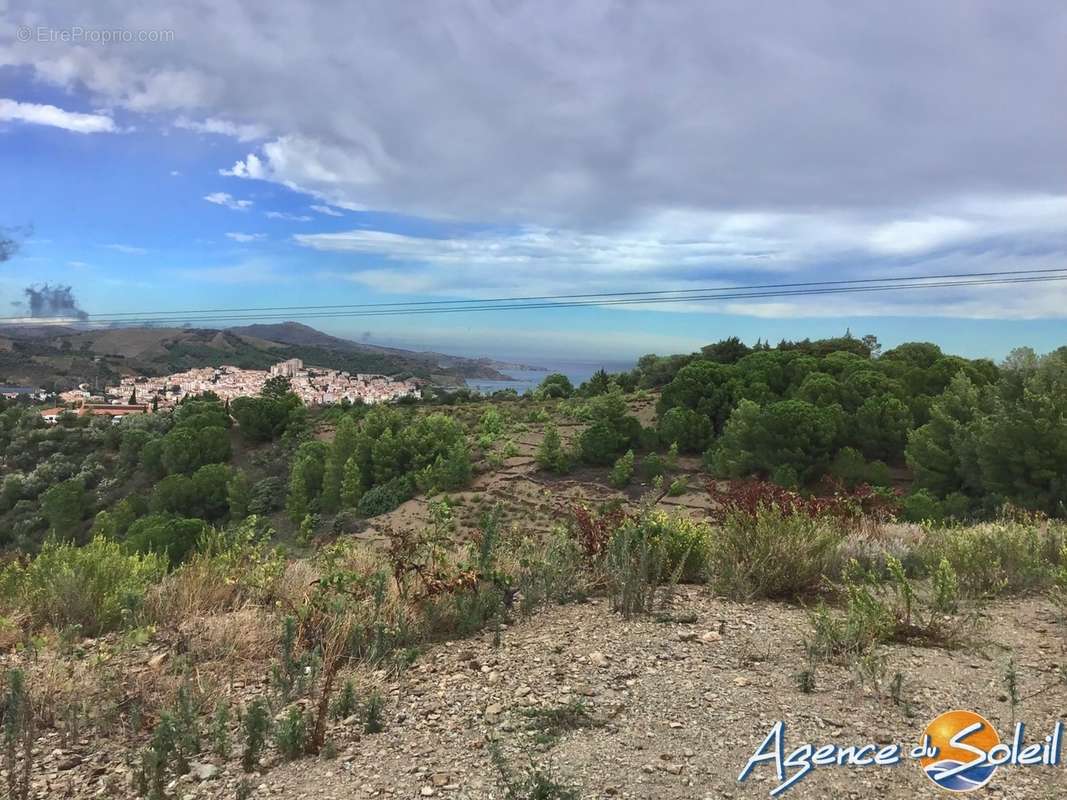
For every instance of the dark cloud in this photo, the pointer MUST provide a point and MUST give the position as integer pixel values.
(47, 301)
(594, 113)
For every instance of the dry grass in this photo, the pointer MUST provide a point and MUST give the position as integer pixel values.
(246, 636)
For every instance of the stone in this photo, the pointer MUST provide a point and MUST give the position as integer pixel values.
(202, 771)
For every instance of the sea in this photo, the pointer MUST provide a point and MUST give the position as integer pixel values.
(526, 379)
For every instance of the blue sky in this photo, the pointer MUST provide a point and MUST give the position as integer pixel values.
(400, 156)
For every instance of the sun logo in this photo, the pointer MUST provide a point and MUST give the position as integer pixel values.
(958, 744)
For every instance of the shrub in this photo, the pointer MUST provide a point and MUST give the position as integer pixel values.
(256, 725)
(634, 567)
(653, 465)
(171, 536)
(623, 470)
(550, 453)
(550, 571)
(852, 469)
(773, 553)
(386, 497)
(921, 506)
(685, 542)
(678, 487)
(291, 733)
(998, 557)
(96, 587)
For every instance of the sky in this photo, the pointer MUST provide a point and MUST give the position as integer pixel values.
(235, 154)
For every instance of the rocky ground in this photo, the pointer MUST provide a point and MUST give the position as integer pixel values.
(671, 710)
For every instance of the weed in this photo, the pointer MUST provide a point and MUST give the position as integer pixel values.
(806, 680)
(345, 705)
(1011, 681)
(220, 730)
(1001, 557)
(552, 722)
(156, 758)
(946, 586)
(373, 712)
(16, 715)
(256, 725)
(534, 785)
(634, 567)
(898, 696)
(291, 734)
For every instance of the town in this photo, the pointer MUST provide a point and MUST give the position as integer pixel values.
(314, 386)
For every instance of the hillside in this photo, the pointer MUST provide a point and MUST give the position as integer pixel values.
(64, 357)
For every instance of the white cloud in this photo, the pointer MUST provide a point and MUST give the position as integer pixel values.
(247, 237)
(245, 132)
(39, 114)
(228, 200)
(127, 249)
(285, 215)
(330, 212)
(78, 264)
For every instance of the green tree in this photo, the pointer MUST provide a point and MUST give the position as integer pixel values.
(342, 448)
(239, 494)
(167, 534)
(787, 436)
(1022, 447)
(555, 385)
(690, 430)
(351, 483)
(276, 387)
(550, 454)
(305, 479)
(705, 387)
(880, 427)
(726, 351)
(65, 506)
(942, 453)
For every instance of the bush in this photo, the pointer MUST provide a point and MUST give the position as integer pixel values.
(623, 471)
(169, 535)
(634, 567)
(550, 453)
(921, 506)
(685, 542)
(385, 498)
(851, 468)
(773, 554)
(998, 557)
(95, 587)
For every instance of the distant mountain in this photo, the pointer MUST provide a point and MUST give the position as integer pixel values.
(62, 357)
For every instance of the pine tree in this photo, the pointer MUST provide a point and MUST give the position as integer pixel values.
(550, 453)
(239, 494)
(351, 484)
(297, 502)
(341, 450)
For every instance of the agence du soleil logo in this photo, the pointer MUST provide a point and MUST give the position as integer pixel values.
(959, 751)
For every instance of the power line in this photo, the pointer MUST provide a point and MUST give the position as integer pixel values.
(599, 299)
(109, 316)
